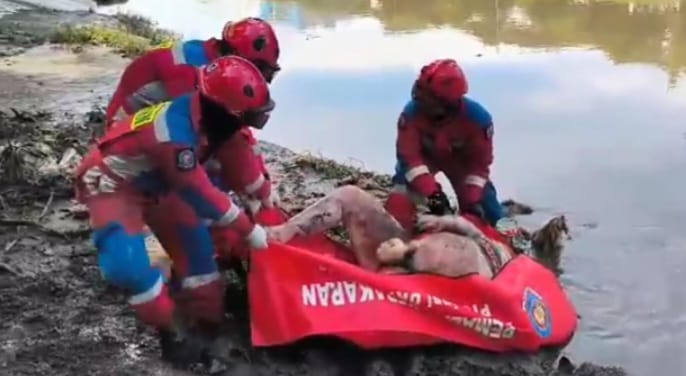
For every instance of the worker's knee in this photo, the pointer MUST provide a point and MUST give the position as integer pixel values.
(123, 259)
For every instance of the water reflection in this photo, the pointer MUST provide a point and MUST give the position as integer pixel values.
(588, 100)
(629, 31)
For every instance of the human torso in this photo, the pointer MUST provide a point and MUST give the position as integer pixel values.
(455, 255)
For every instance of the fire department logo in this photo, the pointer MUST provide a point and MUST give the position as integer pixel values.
(538, 312)
(185, 159)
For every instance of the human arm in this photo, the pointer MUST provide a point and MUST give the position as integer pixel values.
(243, 171)
(179, 165)
(479, 155)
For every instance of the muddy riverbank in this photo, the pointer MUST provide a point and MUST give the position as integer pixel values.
(57, 317)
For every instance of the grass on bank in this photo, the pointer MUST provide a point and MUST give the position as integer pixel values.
(131, 36)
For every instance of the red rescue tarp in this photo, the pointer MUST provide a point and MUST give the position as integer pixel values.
(305, 289)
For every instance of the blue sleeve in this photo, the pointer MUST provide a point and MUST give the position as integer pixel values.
(194, 52)
(411, 109)
(477, 113)
(179, 122)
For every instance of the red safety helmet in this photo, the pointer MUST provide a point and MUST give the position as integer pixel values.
(255, 40)
(237, 85)
(440, 86)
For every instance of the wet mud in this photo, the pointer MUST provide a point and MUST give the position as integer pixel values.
(58, 317)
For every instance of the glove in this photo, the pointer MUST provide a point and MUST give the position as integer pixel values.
(438, 203)
(257, 239)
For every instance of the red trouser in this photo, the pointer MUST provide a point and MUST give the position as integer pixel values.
(118, 217)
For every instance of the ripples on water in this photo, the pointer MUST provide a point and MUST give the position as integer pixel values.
(588, 99)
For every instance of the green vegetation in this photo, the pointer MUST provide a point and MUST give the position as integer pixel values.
(132, 36)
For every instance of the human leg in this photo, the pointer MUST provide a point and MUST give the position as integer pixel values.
(119, 236)
(189, 244)
(363, 216)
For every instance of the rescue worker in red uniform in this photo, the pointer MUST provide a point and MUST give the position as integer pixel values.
(157, 154)
(441, 130)
(172, 70)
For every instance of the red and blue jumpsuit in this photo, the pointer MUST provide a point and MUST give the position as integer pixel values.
(159, 75)
(170, 71)
(460, 146)
(152, 155)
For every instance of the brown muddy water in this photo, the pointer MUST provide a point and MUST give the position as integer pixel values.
(588, 99)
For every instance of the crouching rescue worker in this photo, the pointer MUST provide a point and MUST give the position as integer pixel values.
(171, 69)
(441, 130)
(157, 153)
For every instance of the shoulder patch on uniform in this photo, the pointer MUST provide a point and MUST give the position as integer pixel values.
(186, 159)
(477, 113)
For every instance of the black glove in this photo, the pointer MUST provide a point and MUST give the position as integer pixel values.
(439, 204)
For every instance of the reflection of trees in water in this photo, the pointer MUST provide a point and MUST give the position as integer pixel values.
(629, 31)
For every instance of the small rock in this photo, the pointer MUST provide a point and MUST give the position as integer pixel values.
(217, 367)
(8, 353)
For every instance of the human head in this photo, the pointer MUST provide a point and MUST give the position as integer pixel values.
(237, 86)
(439, 88)
(253, 39)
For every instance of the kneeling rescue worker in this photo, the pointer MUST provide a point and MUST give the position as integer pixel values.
(157, 152)
(441, 130)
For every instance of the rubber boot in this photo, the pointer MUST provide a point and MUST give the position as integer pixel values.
(203, 303)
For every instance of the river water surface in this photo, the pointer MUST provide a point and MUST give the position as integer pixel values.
(589, 104)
